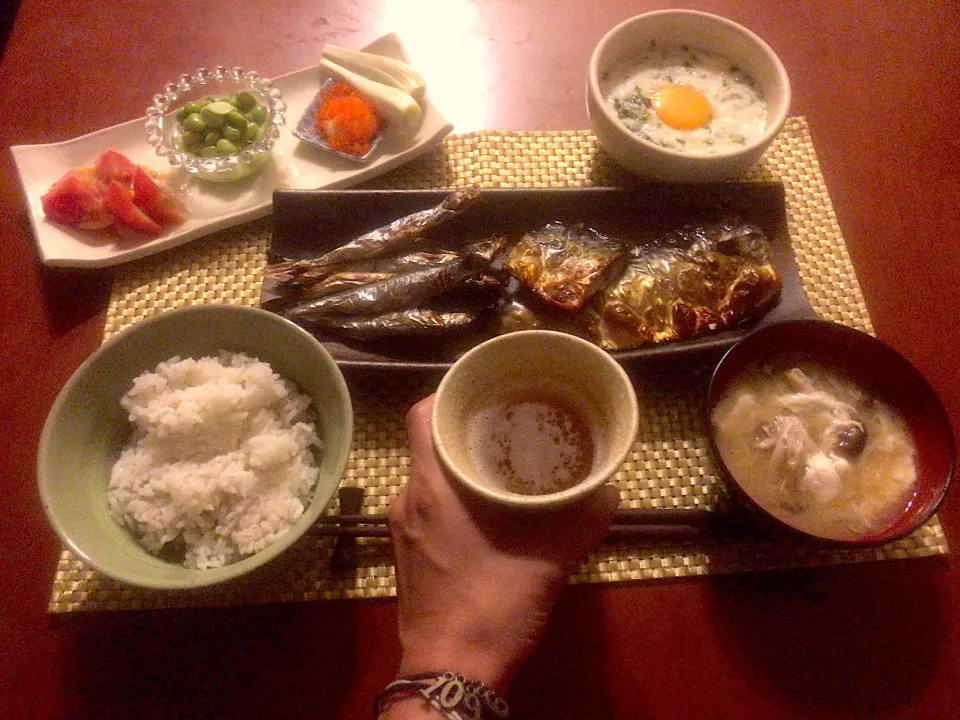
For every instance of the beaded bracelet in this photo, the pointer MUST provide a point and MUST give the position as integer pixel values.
(452, 695)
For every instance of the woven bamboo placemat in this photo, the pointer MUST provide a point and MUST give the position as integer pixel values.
(670, 466)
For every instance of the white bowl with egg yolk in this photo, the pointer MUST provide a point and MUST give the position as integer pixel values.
(700, 32)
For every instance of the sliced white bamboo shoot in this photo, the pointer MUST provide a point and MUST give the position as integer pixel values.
(397, 106)
(402, 76)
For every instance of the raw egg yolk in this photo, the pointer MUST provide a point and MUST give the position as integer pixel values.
(681, 107)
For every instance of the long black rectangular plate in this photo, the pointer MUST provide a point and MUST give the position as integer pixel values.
(308, 223)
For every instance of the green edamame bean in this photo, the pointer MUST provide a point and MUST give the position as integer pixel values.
(220, 125)
(212, 119)
(246, 102)
(251, 132)
(236, 119)
(258, 115)
(194, 123)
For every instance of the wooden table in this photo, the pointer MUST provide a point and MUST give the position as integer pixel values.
(879, 85)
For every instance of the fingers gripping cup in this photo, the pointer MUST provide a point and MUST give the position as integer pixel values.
(534, 419)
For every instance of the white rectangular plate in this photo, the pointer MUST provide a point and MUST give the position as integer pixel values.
(210, 206)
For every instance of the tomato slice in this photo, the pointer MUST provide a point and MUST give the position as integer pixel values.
(154, 200)
(119, 200)
(76, 200)
(113, 192)
(112, 165)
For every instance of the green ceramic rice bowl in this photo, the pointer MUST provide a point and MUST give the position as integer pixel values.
(87, 428)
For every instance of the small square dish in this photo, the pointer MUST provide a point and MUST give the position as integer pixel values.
(307, 130)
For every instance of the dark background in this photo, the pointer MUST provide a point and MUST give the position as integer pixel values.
(8, 12)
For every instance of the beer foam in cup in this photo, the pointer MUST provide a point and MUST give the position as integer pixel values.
(534, 419)
(533, 442)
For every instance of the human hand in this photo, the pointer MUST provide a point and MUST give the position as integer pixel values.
(476, 583)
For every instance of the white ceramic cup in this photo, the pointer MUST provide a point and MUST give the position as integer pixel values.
(534, 419)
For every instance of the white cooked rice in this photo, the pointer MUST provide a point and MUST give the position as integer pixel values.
(220, 457)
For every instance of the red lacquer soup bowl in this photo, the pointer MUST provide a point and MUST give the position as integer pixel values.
(879, 371)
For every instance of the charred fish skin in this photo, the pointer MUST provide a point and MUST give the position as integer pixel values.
(391, 238)
(331, 285)
(482, 252)
(339, 282)
(399, 264)
(723, 277)
(397, 293)
(485, 252)
(282, 291)
(406, 323)
(751, 294)
(564, 265)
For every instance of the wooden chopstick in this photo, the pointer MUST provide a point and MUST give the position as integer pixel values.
(655, 532)
(345, 550)
(354, 519)
(353, 530)
(617, 532)
(663, 516)
(628, 524)
(627, 516)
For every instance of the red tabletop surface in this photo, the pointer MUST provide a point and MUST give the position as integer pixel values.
(879, 85)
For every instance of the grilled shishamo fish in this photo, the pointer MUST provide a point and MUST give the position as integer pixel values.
(400, 264)
(702, 279)
(396, 293)
(564, 264)
(386, 240)
(406, 323)
(392, 294)
(330, 285)
(277, 294)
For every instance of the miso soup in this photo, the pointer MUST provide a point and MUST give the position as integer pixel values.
(816, 451)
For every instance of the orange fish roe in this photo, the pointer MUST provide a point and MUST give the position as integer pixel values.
(348, 122)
